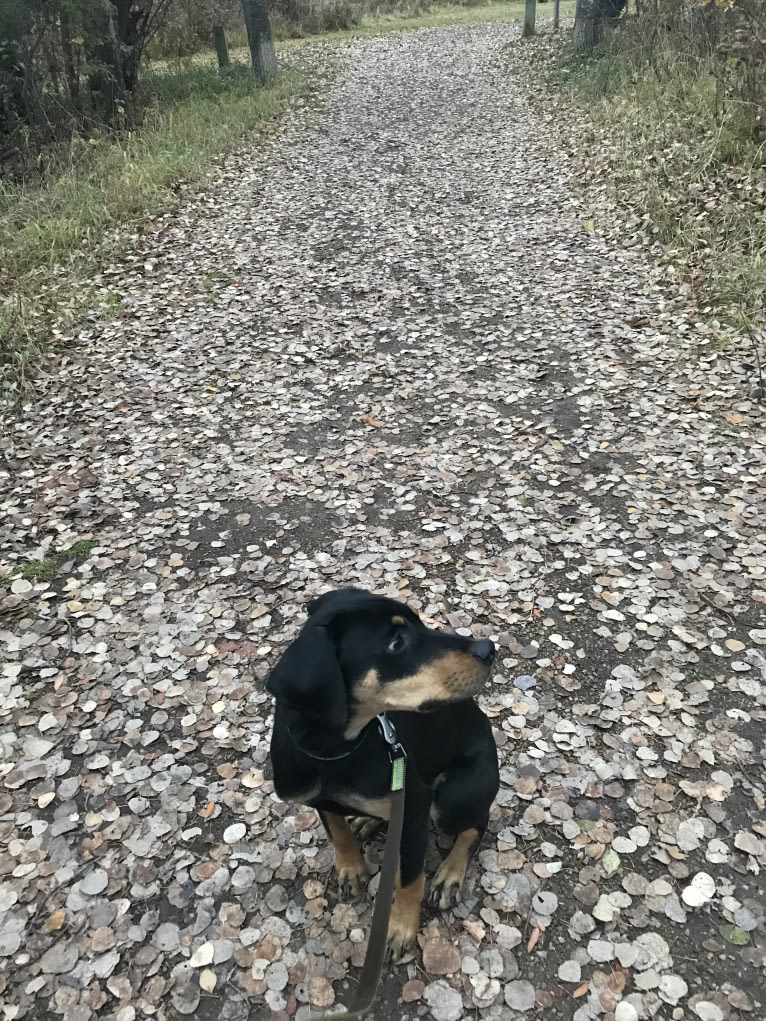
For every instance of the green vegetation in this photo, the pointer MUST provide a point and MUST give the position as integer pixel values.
(440, 15)
(106, 180)
(47, 568)
(38, 570)
(681, 138)
(101, 182)
(111, 179)
(79, 550)
(65, 215)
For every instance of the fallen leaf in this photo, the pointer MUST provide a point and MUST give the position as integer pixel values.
(733, 934)
(54, 922)
(610, 862)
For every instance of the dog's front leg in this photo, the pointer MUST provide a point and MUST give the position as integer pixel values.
(349, 863)
(410, 880)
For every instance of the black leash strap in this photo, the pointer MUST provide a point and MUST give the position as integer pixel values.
(381, 912)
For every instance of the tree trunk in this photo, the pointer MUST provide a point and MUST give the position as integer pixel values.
(127, 40)
(259, 36)
(107, 80)
(70, 70)
(12, 78)
(530, 10)
(590, 18)
(219, 38)
(587, 26)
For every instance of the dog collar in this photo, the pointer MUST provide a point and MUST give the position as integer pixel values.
(396, 752)
(330, 758)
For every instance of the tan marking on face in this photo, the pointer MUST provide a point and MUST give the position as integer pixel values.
(400, 621)
(349, 863)
(404, 922)
(454, 676)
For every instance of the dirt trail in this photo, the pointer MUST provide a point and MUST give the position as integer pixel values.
(392, 355)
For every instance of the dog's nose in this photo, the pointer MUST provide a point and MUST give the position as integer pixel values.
(483, 650)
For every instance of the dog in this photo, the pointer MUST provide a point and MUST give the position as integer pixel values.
(360, 655)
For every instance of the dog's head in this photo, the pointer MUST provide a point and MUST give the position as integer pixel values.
(360, 655)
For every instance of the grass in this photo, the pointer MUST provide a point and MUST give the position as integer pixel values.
(38, 570)
(110, 180)
(47, 568)
(55, 231)
(447, 14)
(681, 146)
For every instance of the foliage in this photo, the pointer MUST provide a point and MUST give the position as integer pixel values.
(92, 187)
(67, 67)
(676, 99)
(189, 25)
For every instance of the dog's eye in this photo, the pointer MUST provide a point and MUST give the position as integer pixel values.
(396, 644)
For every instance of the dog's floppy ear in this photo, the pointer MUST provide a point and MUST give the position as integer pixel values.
(337, 601)
(309, 678)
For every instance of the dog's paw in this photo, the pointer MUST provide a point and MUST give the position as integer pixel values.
(364, 827)
(401, 939)
(404, 922)
(351, 879)
(444, 895)
(446, 888)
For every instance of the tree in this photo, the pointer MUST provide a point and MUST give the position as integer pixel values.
(108, 81)
(12, 105)
(66, 64)
(259, 37)
(590, 17)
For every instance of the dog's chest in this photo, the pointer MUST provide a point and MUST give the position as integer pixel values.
(333, 795)
(358, 784)
(359, 804)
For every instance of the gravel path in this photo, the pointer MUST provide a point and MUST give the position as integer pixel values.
(393, 355)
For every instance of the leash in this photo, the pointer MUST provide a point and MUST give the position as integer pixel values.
(381, 912)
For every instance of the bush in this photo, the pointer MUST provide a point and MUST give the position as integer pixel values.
(677, 99)
(66, 67)
(312, 17)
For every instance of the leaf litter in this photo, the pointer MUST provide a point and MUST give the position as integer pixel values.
(415, 371)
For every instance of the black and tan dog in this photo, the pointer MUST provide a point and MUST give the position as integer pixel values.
(360, 655)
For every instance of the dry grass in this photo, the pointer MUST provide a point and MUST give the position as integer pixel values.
(449, 14)
(62, 219)
(54, 229)
(691, 163)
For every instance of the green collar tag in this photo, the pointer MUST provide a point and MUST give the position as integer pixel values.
(397, 774)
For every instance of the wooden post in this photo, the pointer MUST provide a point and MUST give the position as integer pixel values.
(556, 14)
(530, 7)
(221, 48)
